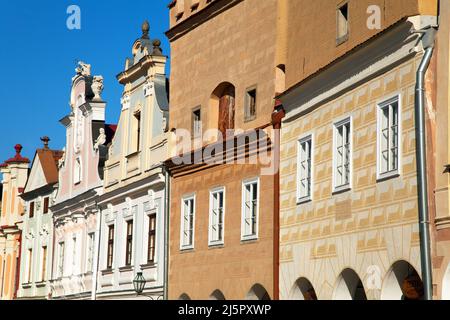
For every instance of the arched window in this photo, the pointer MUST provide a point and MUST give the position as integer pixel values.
(223, 98)
(217, 295)
(184, 296)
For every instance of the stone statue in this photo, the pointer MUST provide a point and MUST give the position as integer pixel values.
(100, 140)
(61, 160)
(83, 69)
(97, 88)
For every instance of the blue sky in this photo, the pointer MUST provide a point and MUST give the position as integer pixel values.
(39, 53)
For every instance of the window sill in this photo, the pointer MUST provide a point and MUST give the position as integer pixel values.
(249, 119)
(187, 249)
(26, 285)
(107, 272)
(342, 189)
(249, 240)
(126, 268)
(213, 246)
(149, 265)
(303, 200)
(41, 284)
(388, 176)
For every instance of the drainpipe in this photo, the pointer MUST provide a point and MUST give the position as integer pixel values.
(419, 112)
(166, 231)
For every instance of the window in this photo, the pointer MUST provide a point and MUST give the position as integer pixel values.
(342, 24)
(129, 243)
(44, 264)
(216, 217)
(77, 171)
(61, 259)
(31, 209)
(90, 252)
(29, 264)
(388, 138)
(74, 254)
(250, 105)
(110, 254)
(187, 223)
(250, 210)
(304, 169)
(151, 238)
(46, 204)
(342, 155)
(197, 123)
(137, 126)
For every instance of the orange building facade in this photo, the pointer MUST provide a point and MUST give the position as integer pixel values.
(222, 215)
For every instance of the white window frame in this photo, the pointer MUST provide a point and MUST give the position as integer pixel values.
(212, 192)
(336, 125)
(244, 236)
(43, 257)
(304, 139)
(147, 214)
(189, 246)
(380, 105)
(125, 238)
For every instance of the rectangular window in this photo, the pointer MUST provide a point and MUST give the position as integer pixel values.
(250, 201)
(90, 252)
(250, 104)
(342, 155)
(61, 259)
(29, 265)
(32, 209)
(137, 126)
(342, 24)
(388, 138)
(110, 254)
(187, 223)
(197, 123)
(216, 217)
(129, 243)
(304, 169)
(44, 264)
(151, 238)
(46, 204)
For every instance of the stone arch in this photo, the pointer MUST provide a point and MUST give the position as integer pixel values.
(280, 78)
(222, 108)
(446, 284)
(217, 295)
(258, 292)
(402, 282)
(184, 296)
(303, 290)
(349, 286)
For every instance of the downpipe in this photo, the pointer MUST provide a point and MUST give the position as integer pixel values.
(166, 232)
(419, 112)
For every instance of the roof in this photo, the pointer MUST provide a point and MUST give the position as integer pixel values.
(49, 162)
(110, 131)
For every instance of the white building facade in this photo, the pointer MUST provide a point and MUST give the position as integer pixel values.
(132, 222)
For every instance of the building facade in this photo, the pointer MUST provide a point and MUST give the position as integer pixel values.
(349, 212)
(15, 172)
(224, 77)
(75, 211)
(37, 232)
(133, 220)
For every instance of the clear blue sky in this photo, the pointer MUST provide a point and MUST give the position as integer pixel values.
(38, 54)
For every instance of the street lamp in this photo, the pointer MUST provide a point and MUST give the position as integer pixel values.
(139, 283)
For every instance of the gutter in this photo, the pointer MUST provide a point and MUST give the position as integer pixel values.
(166, 232)
(428, 40)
